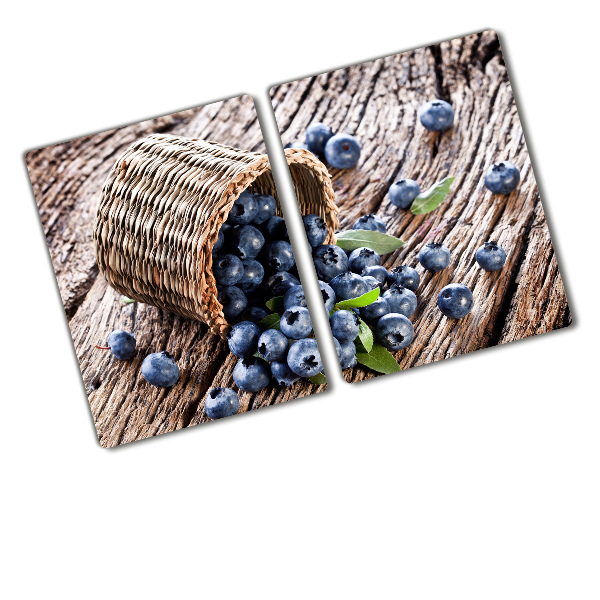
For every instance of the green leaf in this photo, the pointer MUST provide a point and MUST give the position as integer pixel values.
(379, 359)
(357, 238)
(359, 345)
(270, 322)
(318, 379)
(126, 300)
(365, 335)
(427, 201)
(363, 300)
(276, 304)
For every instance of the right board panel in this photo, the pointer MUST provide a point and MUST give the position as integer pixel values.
(434, 183)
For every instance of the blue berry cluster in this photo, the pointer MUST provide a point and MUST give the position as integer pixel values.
(387, 315)
(287, 353)
(252, 258)
(341, 150)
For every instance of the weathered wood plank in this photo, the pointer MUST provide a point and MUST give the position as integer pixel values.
(67, 179)
(378, 103)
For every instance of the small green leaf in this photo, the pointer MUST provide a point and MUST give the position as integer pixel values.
(318, 379)
(359, 345)
(379, 359)
(126, 300)
(270, 322)
(427, 201)
(276, 304)
(365, 335)
(363, 300)
(357, 238)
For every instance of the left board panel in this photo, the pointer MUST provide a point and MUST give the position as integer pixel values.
(161, 211)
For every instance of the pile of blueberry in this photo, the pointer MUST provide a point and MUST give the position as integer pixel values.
(354, 274)
(287, 353)
(252, 258)
(341, 150)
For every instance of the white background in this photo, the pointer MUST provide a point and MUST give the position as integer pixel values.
(473, 478)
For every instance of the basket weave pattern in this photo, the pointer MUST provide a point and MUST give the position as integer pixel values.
(161, 209)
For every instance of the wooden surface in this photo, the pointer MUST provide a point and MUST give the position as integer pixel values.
(378, 102)
(67, 179)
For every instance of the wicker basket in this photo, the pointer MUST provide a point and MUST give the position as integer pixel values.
(161, 209)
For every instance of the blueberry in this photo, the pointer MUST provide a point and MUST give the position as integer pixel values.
(254, 313)
(252, 277)
(278, 256)
(304, 358)
(404, 276)
(227, 269)
(282, 373)
(328, 296)
(243, 338)
(245, 241)
(490, 256)
(220, 241)
(403, 192)
(243, 210)
(372, 283)
(316, 229)
(234, 302)
(455, 300)
(344, 325)
(317, 136)
(378, 272)
(394, 331)
(502, 178)
(370, 222)
(273, 345)
(274, 229)
(329, 262)
(361, 258)
(121, 344)
(221, 403)
(160, 369)
(342, 151)
(295, 323)
(374, 311)
(401, 300)
(434, 257)
(436, 115)
(294, 297)
(266, 206)
(251, 374)
(280, 283)
(348, 285)
(348, 355)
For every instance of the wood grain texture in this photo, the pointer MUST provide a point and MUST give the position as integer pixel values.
(67, 179)
(378, 103)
